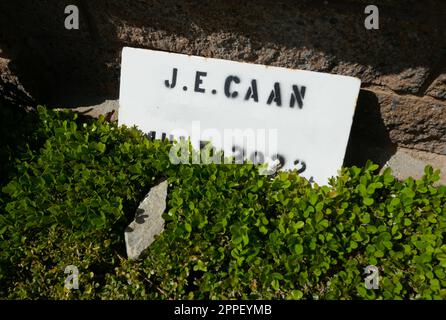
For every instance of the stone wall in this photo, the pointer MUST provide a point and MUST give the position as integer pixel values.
(402, 65)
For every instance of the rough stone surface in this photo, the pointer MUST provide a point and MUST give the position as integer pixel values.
(148, 222)
(10, 87)
(438, 88)
(411, 163)
(408, 121)
(311, 35)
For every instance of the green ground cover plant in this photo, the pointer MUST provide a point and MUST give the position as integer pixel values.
(230, 232)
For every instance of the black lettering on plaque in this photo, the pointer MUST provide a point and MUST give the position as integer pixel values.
(275, 95)
(239, 154)
(304, 165)
(199, 81)
(163, 136)
(252, 91)
(174, 79)
(297, 95)
(228, 86)
(257, 157)
(280, 158)
(152, 135)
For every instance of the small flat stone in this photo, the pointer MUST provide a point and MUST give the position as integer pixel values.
(411, 163)
(148, 223)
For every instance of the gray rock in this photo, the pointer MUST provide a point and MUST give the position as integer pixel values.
(411, 163)
(108, 108)
(148, 223)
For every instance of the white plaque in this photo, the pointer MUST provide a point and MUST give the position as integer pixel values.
(300, 118)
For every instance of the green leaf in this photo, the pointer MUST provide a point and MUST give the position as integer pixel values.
(300, 224)
(101, 147)
(298, 249)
